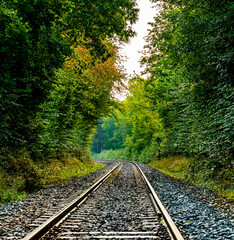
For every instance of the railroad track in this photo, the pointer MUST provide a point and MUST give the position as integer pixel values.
(120, 205)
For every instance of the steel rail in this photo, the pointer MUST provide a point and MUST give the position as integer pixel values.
(170, 224)
(47, 225)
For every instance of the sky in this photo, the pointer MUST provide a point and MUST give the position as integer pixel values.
(131, 51)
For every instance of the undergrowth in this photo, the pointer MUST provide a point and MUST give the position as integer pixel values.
(23, 176)
(174, 166)
(62, 171)
(180, 167)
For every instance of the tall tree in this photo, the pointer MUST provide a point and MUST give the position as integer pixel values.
(190, 52)
(81, 95)
(36, 37)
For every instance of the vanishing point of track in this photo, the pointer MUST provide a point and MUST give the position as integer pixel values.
(71, 222)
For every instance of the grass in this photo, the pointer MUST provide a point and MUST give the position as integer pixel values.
(17, 185)
(174, 166)
(60, 172)
(178, 167)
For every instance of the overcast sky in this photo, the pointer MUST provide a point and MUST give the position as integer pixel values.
(131, 50)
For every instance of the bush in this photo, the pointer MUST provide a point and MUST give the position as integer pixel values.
(20, 176)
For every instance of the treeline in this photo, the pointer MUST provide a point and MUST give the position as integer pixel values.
(187, 100)
(58, 72)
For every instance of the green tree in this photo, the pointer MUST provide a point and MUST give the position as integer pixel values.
(98, 138)
(146, 124)
(36, 37)
(81, 95)
(112, 132)
(189, 58)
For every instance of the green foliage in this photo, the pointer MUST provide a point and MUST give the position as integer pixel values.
(179, 166)
(75, 104)
(176, 166)
(111, 132)
(36, 39)
(18, 175)
(189, 58)
(187, 100)
(20, 180)
(117, 154)
(113, 138)
(10, 195)
(98, 138)
(31, 49)
(135, 130)
(61, 171)
(146, 124)
(58, 71)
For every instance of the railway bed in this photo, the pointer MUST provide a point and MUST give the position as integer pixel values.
(119, 206)
(196, 211)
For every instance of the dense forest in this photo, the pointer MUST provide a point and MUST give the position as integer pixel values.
(186, 99)
(60, 74)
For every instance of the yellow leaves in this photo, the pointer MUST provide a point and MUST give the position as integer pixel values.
(87, 83)
(99, 73)
(79, 61)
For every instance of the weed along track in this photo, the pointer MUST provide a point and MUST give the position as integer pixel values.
(120, 206)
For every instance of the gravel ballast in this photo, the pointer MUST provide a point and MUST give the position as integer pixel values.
(16, 216)
(202, 214)
(121, 206)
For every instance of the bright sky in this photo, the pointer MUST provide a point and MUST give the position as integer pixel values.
(132, 49)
